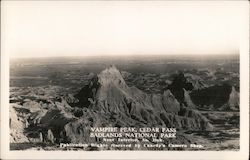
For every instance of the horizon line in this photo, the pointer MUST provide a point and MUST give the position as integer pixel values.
(130, 55)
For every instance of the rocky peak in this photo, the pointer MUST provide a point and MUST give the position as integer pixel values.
(187, 99)
(179, 83)
(111, 75)
(234, 99)
(102, 86)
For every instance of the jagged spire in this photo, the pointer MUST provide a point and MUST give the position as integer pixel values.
(233, 99)
(111, 75)
(187, 99)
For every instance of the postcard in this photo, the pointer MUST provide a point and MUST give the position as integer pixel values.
(124, 80)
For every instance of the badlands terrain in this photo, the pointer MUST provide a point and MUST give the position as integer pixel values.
(58, 100)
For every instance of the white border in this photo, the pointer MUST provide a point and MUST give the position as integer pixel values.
(244, 120)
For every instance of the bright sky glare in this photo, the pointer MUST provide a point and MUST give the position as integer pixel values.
(81, 28)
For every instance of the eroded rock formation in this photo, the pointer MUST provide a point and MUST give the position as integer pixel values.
(107, 101)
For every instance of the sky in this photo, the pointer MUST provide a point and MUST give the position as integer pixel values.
(82, 28)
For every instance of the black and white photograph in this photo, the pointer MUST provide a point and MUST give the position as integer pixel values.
(103, 76)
